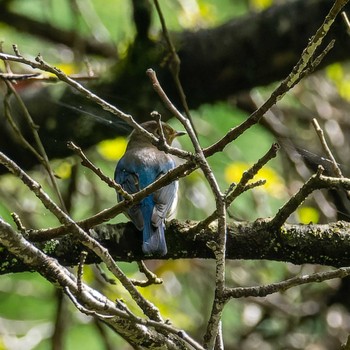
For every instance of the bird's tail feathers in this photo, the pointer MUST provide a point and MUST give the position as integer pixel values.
(154, 240)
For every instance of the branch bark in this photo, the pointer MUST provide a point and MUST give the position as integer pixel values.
(298, 244)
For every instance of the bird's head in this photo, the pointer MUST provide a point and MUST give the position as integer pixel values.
(169, 133)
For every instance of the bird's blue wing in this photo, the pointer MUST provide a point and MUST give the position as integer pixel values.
(164, 198)
(129, 180)
(126, 176)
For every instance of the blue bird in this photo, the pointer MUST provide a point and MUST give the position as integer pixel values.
(141, 165)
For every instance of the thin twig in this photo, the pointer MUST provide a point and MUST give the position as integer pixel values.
(15, 128)
(329, 154)
(264, 290)
(104, 275)
(346, 21)
(336, 169)
(86, 162)
(175, 64)
(17, 77)
(296, 200)
(315, 182)
(242, 185)
(157, 116)
(152, 278)
(83, 256)
(250, 173)
(316, 62)
(18, 223)
(83, 309)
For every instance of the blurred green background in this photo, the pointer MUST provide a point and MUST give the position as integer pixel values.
(301, 318)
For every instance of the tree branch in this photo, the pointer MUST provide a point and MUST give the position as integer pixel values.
(264, 290)
(92, 302)
(299, 244)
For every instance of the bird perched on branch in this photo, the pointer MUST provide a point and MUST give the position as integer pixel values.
(141, 165)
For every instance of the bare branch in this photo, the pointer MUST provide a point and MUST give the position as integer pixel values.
(41, 152)
(214, 322)
(264, 290)
(299, 244)
(83, 309)
(175, 64)
(329, 154)
(152, 278)
(296, 200)
(16, 77)
(80, 272)
(85, 161)
(242, 186)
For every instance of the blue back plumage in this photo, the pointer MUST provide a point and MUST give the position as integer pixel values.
(140, 166)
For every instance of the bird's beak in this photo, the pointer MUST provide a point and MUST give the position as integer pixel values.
(180, 133)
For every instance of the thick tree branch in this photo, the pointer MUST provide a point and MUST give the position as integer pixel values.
(298, 244)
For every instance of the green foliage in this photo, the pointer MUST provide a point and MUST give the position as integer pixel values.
(186, 295)
(36, 291)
